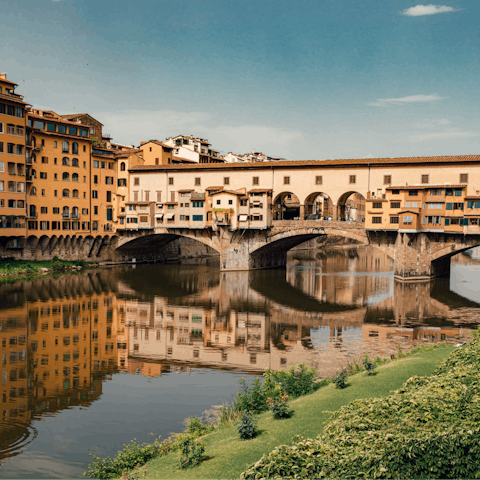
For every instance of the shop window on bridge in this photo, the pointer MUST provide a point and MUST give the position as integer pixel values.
(377, 205)
(395, 192)
(458, 192)
(197, 204)
(394, 219)
(387, 179)
(413, 193)
(376, 219)
(425, 179)
(473, 204)
(473, 221)
(435, 191)
(464, 178)
(395, 205)
(408, 219)
(197, 218)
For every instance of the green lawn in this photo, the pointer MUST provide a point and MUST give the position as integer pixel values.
(228, 455)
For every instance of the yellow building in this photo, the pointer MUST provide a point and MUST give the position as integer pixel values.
(58, 175)
(12, 160)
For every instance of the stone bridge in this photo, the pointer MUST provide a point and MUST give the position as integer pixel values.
(417, 256)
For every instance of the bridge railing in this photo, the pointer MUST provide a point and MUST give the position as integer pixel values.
(317, 224)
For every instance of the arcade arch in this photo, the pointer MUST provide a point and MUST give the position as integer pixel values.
(351, 207)
(286, 207)
(318, 206)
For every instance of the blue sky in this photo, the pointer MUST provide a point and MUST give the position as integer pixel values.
(299, 80)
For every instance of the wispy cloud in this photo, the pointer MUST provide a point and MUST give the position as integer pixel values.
(384, 102)
(421, 10)
(442, 136)
(432, 123)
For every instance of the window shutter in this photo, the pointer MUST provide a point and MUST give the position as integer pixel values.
(449, 206)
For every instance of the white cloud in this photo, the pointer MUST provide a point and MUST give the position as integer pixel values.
(442, 136)
(420, 10)
(432, 123)
(383, 102)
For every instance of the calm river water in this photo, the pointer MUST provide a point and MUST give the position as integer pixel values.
(93, 359)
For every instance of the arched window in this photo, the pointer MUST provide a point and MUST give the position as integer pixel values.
(33, 173)
(34, 158)
(75, 212)
(65, 161)
(74, 177)
(33, 191)
(65, 146)
(74, 162)
(66, 212)
(74, 147)
(122, 167)
(66, 193)
(75, 193)
(66, 176)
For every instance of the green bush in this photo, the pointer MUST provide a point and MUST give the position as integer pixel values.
(247, 427)
(191, 452)
(429, 428)
(340, 379)
(279, 406)
(369, 366)
(132, 455)
(197, 429)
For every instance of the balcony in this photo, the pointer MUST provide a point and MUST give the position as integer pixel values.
(75, 216)
(33, 215)
(29, 178)
(65, 216)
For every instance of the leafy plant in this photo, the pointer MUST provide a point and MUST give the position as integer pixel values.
(340, 379)
(279, 406)
(197, 429)
(191, 452)
(247, 427)
(369, 366)
(136, 473)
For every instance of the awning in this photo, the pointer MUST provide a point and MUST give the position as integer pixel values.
(159, 205)
(170, 216)
(242, 218)
(159, 215)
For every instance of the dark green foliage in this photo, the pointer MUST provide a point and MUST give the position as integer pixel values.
(369, 366)
(132, 455)
(296, 381)
(251, 397)
(191, 452)
(429, 428)
(247, 427)
(340, 379)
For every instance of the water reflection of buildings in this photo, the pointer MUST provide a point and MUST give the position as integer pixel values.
(61, 338)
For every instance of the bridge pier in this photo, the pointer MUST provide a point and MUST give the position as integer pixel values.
(414, 260)
(239, 257)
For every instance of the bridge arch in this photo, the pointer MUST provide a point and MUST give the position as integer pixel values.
(351, 207)
(318, 205)
(286, 206)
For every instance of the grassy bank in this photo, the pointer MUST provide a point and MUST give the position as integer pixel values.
(228, 455)
(10, 266)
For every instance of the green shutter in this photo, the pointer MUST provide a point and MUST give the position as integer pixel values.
(449, 206)
(447, 221)
(470, 204)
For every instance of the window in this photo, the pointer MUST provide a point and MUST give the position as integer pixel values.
(74, 177)
(394, 219)
(95, 210)
(43, 175)
(83, 133)
(197, 181)
(136, 181)
(458, 192)
(44, 159)
(197, 204)
(218, 202)
(65, 161)
(255, 180)
(159, 196)
(413, 193)
(74, 162)
(424, 179)
(197, 218)
(318, 180)
(286, 180)
(226, 180)
(109, 196)
(376, 219)
(395, 205)
(95, 179)
(407, 219)
(377, 205)
(435, 191)
(75, 147)
(72, 130)
(84, 211)
(352, 179)
(102, 164)
(66, 193)
(122, 167)
(387, 179)
(464, 178)
(435, 206)
(56, 210)
(95, 164)
(94, 193)
(75, 193)
(108, 180)
(65, 146)
(170, 180)
(65, 176)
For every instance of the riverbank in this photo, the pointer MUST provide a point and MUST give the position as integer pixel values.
(13, 269)
(228, 455)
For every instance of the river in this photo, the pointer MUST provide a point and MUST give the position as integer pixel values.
(95, 358)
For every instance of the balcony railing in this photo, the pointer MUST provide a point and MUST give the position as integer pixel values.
(65, 215)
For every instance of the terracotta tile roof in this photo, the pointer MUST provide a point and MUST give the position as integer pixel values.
(214, 188)
(182, 160)
(170, 203)
(197, 196)
(472, 197)
(321, 163)
(75, 115)
(186, 190)
(260, 190)
(156, 142)
(56, 118)
(426, 187)
(12, 98)
(226, 191)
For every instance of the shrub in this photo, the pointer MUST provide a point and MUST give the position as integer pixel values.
(369, 366)
(251, 397)
(340, 379)
(197, 429)
(279, 406)
(191, 452)
(247, 427)
(137, 472)
(296, 381)
(132, 455)
(429, 428)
